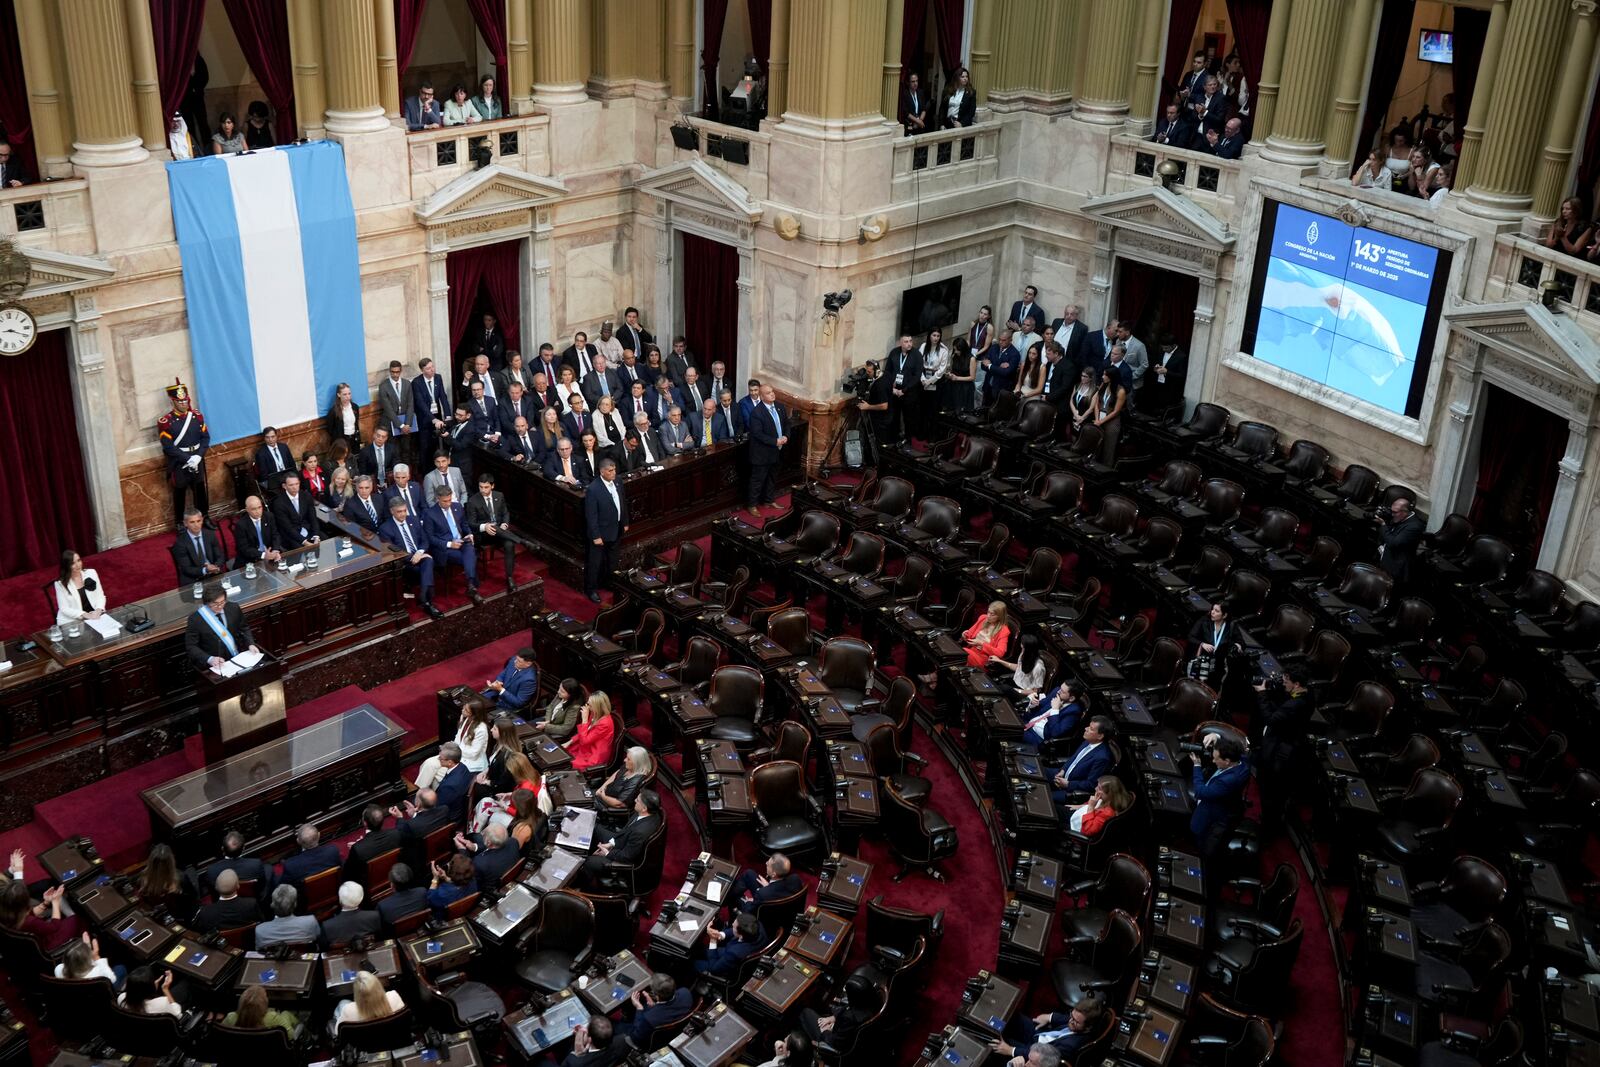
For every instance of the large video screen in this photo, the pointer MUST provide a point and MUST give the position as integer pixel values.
(1352, 308)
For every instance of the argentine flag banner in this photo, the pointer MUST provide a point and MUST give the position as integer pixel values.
(273, 284)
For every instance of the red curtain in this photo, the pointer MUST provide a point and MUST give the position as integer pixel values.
(47, 505)
(1249, 19)
(1588, 163)
(1394, 37)
(715, 15)
(1517, 475)
(490, 15)
(1156, 302)
(177, 31)
(15, 122)
(913, 26)
(496, 269)
(1180, 35)
(407, 24)
(262, 29)
(711, 301)
(761, 30)
(949, 17)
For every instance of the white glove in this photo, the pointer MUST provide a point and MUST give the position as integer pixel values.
(194, 463)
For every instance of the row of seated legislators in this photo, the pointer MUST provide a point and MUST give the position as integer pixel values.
(1210, 111)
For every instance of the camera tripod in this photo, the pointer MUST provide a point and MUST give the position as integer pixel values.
(869, 438)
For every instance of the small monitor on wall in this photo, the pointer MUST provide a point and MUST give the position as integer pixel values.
(1436, 46)
(933, 306)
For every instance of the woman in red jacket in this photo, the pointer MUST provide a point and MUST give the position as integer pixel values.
(1110, 798)
(986, 639)
(591, 744)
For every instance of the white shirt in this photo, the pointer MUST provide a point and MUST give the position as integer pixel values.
(178, 141)
(616, 501)
(954, 111)
(1033, 679)
(68, 604)
(350, 420)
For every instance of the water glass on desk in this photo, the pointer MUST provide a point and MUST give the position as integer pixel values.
(54, 633)
(250, 571)
(199, 590)
(74, 628)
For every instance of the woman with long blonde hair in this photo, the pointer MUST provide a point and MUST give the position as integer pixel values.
(987, 638)
(591, 744)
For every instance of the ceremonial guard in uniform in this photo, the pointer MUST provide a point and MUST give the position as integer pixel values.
(184, 440)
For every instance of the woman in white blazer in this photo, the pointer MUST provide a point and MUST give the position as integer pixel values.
(79, 594)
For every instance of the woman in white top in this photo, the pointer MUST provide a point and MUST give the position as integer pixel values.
(1399, 158)
(1237, 86)
(82, 962)
(472, 734)
(1027, 673)
(344, 418)
(1423, 176)
(371, 1002)
(566, 388)
(149, 995)
(935, 361)
(961, 106)
(1371, 175)
(458, 111)
(604, 412)
(79, 594)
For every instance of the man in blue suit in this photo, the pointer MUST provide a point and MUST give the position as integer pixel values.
(1003, 361)
(485, 417)
(450, 538)
(403, 489)
(1218, 801)
(729, 415)
(406, 533)
(1057, 716)
(561, 465)
(577, 421)
(494, 857)
(664, 399)
(706, 428)
(313, 858)
(660, 1003)
(364, 509)
(423, 111)
(729, 948)
(517, 683)
(430, 399)
(605, 517)
(273, 460)
(769, 432)
(1091, 760)
(749, 402)
(1026, 308)
(455, 783)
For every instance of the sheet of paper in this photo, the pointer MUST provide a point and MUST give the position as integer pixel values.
(714, 891)
(105, 626)
(226, 669)
(247, 659)
(687, 924)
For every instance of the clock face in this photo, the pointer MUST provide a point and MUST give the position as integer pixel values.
(17, 331)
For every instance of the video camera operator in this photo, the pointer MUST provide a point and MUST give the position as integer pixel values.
(1283, 708)
(876, 402)
(1400, 532)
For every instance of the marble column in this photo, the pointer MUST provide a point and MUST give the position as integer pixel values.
(1502, 179)
(982, 50)
(106, 127)
(778, 62)
(836, 50)
(1349, 85)
(439, 304)
(35, 31)
(681, 68)
(349, 49)
(146, 84)
(1569, 471)
(559, 60)
(1561, 132)
(1265, 107)
(1106, 80)
(1308, 60)
(93, 393)
(1147, 72)
(305, 56)
(1488, 68)
(893, 27)
(388, 57)
(519, 55)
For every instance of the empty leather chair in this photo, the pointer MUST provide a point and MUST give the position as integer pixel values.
(1501, 1047)
(1246, 593)
(1426, 813)
(953, 614)
(1581, 631)
(1451, 538)
(1160, 667)
(1177, 480)
(1035, 421)
(642, 641)
(1206, 421)
(727, 594)
(791, 629)
(761, 615)
(1218, 1036)
(1084, 447)
(1057, 493)
(686, 566)
(1323, 660)
(900, 928)
(1485, 561)
(938, 519)
(1004, 407)
(1276, 529)
(1399, 767)
(1108, 963)
(919, 837)
(788, 817)
(1358, 722)
(1160, 542)
(560, 945)
(892, 499)
(1306, 461)
(1410, 626)
(699, 662)
(1040, 573)
(1289, 631)
(1260, 910)
(847, 668)
(1472, 891)
(1125, 884)
(1254, 441)
(1208, 571)
(969, 457)
(76, 1008)
(1189, 703)
(1078, 606)
(890, 762)
(1366, 586)
(1538, 766)
(911, 584)
(1493, 713)
(1320, 560)
(895, 709)
(1467, 980)
(1359, 485)
(1116, 517)
(792, 742)
(862, 554)
(735, 699)
(1255, 976)
(817, 536)
(1558, 823)
(1220, 499)
(987, 553)
(1539, 596)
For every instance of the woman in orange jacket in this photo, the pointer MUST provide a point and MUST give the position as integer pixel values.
(987, 638)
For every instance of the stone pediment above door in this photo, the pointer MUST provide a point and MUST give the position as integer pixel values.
(1535, 353)
(52, 273)
(1159, 216)
(493, 190)
(693, 183)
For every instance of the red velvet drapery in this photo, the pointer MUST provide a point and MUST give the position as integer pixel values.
(1180, 34)
(1394, 37)
(496, 268)
(760, 30)
(490, 16)
(715, 14)
(913, 23)
(176, 25)
(711, 302)
(47, 504)
(262, 30)
(1156, 302)
(949, 19)
(407, 24)
(15, 121)
(1517, 472)
(1250, 19)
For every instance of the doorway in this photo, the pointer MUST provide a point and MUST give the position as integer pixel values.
(1155, 302)
(1520, 448)
(485, 279)
(708, 292)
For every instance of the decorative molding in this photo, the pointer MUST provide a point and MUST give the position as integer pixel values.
(514, 221)
(1161, 215)
(491, 191)
(1353, 213)
(695, 184)
(55, 273)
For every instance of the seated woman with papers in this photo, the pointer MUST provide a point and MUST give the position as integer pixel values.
(79, 595)
(218, 636)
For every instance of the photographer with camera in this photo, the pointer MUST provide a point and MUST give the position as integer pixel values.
(1399, 533)
(1218, 802)
(1283, 707)
(874, 397)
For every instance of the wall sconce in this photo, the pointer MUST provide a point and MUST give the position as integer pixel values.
(873, 229)
(1549, 290)
(1169, 172)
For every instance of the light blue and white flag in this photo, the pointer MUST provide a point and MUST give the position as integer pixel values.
(273, 284)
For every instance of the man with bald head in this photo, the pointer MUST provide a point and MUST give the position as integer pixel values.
(415, 820)
(769, 432)
(228, 910)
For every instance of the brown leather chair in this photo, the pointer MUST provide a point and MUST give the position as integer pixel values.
(1358, 722)
(911, 584)
(1306, 461)
(134, 1033)
(987, 553)
(1276, 530)
(319, 894)
(788, 817)
(616, 922)
(1040, 574)
(1207, 420)
(895, 709)
(890, 762)
(686, 566)
(1220, 499)
(1189, 703)
(792, 742)
(1208, 571)
(240, 937)
(1246, 593)
(817, 536)
(1486, 560)
(1255, 976)
(75, 1008)
(900, 928)
(1452, 536)
(862, 554)
(461, 907)
(1399, 767)
(1289, 631)
(919, 837)
(700, 658)
(559, 946)
(1077, 608)
(378, 867)
(1159, 543)
(1539, 596)
(1125, 884)
(938, 519)
(1178, 480)
(847, 666)
(1500, 1046)
(1160, 667)
(1472, 891)
(1003, 409)
(1035, 421)
(1057, 493)
(643, 640)
(1116, 517)
(1255, 441)
(1366, 586)
(1319, 561)
(1129, 640)
(1468, 980)
(1359, 485)
(1259, 909)
(791, 629)
(972, 458)
(955, 612)
(1323, 660)
(892, 498)
(1426, 814)
(1108, 962)
(1410, 626)
(735, 699)
(723, 593)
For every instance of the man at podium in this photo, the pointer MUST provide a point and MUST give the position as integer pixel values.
(217, 632)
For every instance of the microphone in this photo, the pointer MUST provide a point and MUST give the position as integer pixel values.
(1131, 1012)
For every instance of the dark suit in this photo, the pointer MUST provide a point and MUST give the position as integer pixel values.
(1057, 381)
(227, 914)
(580, 362)
(747, 893)
(723, 961)
(765, 453)
(1228, 147)
(695, 394)
(634, 339)
(356, 510)
(627, 375)
(303, 864)
(510, 410)
(914, 105)
(248, 868)
(659, 403)
(1400, 540)
(368, 462)
(641, 1031)
(1004, 362)
(1178, 133)
(485, 418)
(493, 863)
(530, 447)
(414, 834)
(251, 541)
(1021, 310)
(1097, 352)
(1083, 774)
(603, 521)
(453, 789)
(905, 409)
(389, 533)
(575, 425)
(719, 429)
(268, 474)
(1209, 114)
(1025, 1034)
(201, 642)
(400, 903)
(412, 495)
(438, 527)
(375, 844)
(294, 516)
(580, 467)
(343, 927)
(1072, 337)
(1218, 803)
(191, 564)
(504, 378)
(731, 420)
(430, 399)
(491, 343)
(481, 512)
(637, 460)
(966, 112)
(677, 367)
(590, 387)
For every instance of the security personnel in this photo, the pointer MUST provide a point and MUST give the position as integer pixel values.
(184, 440)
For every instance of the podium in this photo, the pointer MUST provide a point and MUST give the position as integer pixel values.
(239, 713)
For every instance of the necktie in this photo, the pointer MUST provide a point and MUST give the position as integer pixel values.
(1082, 752)
(644, 443)
(708, 432)
(450, 520)
(200, 549)
(483, 409)
(612, 489)
(775, 420)
(527, 448)
(566, 467)
(378, 453)
(605, 389)
(277, 459)
(372, 512)
(262, 541)
(405, 536)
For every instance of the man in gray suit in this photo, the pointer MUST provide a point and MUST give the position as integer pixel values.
(679, 360)
(675, 434)
(397, 411)
(444, 474)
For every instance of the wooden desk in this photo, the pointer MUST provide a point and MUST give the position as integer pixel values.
(533, 1032)
(458, 1050)
(290, 979)
(202, 964)
(509, 916)
(664, 505)
(339, 971)
(843, 883)
(1037, 878)
(674, 939)
(958, 1048)
(718, 1044)
(1153, 1040)
(577, 832)
(556, 871)
(74, 860)
(1169, 982)
(1180, 872)
(99, 901)
(713, 884)
(1182, 927)
(773, 997)
(825, 942)
(323, 773)
(442, 950)
(608, 992)
(990, 1011)
(143, 937)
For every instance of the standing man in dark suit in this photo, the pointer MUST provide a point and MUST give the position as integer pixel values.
(548, 365)
(1209, 108)
(254, 535)
(769, 432)
(1072, 335)
(450, 538)
(580, 355)
(490, 342)
(378, 456)
(1097, 348)
(1218, 802)
(396, 410)
(490, 522)
(430, 403)
(903, 368)
(1026, 308)
(458, 441)
(678, 362)
(914, 106)
(295, 515)
(273, 460)
(406, 533)
(1400, 531)
(198, 551)
(605, 515)
(375, 842)
(1058, 377)
(217, 631)
(631, 334)
(1003, 362)
(1164, 382)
